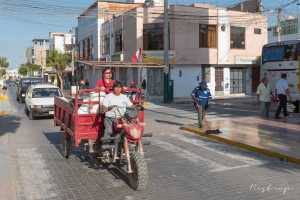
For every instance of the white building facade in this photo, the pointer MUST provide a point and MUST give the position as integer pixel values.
(222, 49)
(62, 42)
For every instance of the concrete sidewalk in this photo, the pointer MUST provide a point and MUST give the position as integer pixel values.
(247, 130)
(7, 185)
(5, 107)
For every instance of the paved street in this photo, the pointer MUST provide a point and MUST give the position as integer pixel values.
(181, 165)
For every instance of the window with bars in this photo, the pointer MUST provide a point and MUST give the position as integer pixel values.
(237, 37)
(153, 36)
(219, 78)
(105, 44)
(207, 36)
(237, 81)
(118, 41)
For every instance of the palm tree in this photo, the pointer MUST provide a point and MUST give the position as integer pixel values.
(59, 62)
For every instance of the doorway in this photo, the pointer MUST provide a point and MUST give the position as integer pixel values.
(219, 79)
(237, 81)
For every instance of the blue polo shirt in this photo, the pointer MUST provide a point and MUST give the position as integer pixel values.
(202, 96)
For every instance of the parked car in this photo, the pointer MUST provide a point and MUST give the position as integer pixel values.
(24, 85)
(39, 100)
(4, 85)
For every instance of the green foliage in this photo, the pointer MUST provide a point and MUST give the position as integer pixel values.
(29, 69)
(23, 70)
(4, 62)
(34, 67)
(2, 72)
(57, 60)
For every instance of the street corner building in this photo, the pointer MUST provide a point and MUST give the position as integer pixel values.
(220, 45)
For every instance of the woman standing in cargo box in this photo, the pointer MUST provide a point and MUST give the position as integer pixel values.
(106, 83)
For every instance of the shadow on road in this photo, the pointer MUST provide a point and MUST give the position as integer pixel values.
(88, 159)
(55, 138)
(9, 124)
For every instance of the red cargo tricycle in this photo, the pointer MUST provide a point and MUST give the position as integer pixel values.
(81, 123)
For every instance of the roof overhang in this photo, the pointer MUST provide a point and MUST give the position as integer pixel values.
(102, 64)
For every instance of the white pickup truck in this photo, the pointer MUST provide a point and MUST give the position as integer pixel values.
(39, 100)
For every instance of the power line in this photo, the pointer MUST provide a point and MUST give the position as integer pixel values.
(50, 10)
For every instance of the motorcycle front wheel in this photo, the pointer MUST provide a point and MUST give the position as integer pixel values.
(138, 179)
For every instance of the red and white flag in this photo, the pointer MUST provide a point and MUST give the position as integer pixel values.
(137, 57)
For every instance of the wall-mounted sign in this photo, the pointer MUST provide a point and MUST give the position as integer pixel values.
(245, 60)
(157, 57)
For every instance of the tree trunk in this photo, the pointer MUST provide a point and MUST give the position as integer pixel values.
(61, 82)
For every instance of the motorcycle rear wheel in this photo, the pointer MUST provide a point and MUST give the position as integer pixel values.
(138, 179)
(66, 145)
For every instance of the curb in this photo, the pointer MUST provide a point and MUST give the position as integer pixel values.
(216, 138)
(3, 98)
(3, 113)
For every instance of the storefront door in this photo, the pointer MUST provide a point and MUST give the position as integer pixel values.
(237, 81)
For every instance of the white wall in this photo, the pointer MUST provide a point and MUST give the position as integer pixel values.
(226, 81)
(59, 43)
(97, 43)
(212, 83)
(183, 86)
(87, 27)
(223, 36)
(68, 38)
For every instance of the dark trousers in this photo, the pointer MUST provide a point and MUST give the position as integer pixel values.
(297, 106)
(108, 127)
(282, 105)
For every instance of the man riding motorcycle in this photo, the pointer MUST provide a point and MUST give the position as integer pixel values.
(112, 101)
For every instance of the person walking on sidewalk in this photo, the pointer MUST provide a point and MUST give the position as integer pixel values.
(201, 96)
(282, 92)
(264, 93)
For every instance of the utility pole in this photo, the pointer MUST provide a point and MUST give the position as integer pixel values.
(278, 27)
(298, 25)
(73, 60)
(166, 53)
(122, 39)
(42, 59)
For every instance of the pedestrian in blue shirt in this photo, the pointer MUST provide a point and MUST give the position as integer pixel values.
(201, 96)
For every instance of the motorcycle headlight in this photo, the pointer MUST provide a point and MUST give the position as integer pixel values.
(135, 132)
(23, 95)
(131, 113)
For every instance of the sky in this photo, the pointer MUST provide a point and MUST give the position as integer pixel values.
(23, 20)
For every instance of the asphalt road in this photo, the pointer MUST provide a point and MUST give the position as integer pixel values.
(181, 165)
